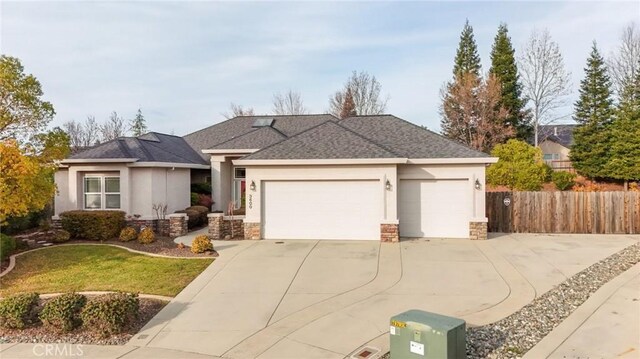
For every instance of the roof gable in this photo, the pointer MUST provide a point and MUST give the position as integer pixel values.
(561, 134)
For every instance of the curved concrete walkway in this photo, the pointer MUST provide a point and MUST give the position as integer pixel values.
(326, 299)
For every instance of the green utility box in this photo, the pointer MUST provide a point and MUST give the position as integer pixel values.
(418, 334)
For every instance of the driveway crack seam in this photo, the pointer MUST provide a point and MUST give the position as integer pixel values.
(541, 258)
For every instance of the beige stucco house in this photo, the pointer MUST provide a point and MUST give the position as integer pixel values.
(299, 177)
(555, 143)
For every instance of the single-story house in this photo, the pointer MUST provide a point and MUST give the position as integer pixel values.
(295, 177)
(555, 142)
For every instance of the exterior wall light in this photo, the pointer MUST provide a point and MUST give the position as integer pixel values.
(478, 185)
(388, 185)
(252, 186)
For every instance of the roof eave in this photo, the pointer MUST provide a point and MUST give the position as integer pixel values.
(324, 161)
(453, 160)
(169, 165)
(98, 160)
(230, 151)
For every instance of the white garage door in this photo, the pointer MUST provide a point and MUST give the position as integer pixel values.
(322, 209)
(434, 208)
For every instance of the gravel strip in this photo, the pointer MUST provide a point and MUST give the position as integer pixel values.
(514, 335)
(39, 334)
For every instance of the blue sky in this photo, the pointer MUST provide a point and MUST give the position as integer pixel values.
(184, 62)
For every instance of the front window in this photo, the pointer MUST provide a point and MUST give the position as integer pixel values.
(548, 157)
(101, 192)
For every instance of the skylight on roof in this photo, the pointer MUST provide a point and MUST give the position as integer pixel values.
(263, 122)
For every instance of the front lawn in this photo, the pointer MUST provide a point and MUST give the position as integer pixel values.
(101, 268)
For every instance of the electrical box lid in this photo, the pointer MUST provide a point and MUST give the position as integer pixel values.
(432, 320)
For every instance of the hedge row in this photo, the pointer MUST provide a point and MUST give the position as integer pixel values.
(93, 225)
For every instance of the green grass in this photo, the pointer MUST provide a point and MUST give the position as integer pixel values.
(85, 268)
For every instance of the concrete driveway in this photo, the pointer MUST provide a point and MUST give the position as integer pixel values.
(327, 299)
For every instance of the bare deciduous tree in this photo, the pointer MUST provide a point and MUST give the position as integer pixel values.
(82, 134)
(471, 113)
(545, 80)
(91, 131)
(289, 103)
(624, 64)
(366, 92)
(113, 128)
(237, 110)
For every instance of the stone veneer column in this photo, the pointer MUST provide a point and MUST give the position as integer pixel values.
(478, 230)
(252, 231)
(215, 225)
(178, 224)
(389, 232)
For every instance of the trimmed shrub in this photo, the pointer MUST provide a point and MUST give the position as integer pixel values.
(146, 236)
(563, 180)
(194, 198)
(201, 244)
(7, 245)
(202, 212)
(519, 167)
(60, 236)
(110, 313)
(18, 311)
(93, 225)
(201, 188)
(205, 200)
(63, 313)
(194, 217)
(128, 234)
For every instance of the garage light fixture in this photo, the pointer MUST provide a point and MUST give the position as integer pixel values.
(388, 185)
(252, 186)
(478, 185)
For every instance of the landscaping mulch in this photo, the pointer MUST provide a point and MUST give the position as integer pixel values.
(163, 245)
(39, 334)
(516, 334)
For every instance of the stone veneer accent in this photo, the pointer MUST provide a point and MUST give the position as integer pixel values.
(389, 232)
(252, 231)
(478, 230)
(215, 225)
(178, 224)
(225, 227)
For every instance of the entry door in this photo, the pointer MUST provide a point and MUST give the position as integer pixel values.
(322, 209)
(435, 208)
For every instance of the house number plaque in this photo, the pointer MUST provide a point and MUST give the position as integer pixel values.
(250, 201)
(506, 201)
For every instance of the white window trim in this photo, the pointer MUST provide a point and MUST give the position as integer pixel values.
(103, 193)
(236, 184)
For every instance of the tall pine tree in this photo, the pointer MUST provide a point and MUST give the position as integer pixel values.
(624, 152)
(594, 114)
(467, 58)
(503, 66)
(138, 124)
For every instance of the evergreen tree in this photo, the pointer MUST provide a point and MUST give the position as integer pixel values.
(503, 66)
(594, 113)
(624, 153)
(467, 58)
(348, 106)
(138, 124)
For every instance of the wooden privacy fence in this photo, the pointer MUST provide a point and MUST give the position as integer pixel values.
(564, 212)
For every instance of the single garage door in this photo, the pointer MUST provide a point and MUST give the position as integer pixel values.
(322, 209)
(434, 208)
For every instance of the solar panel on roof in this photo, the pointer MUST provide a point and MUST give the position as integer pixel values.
(263, 122)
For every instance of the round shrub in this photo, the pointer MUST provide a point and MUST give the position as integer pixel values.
(193, 216)
(60, 236)
(7, 245)
(146, 236)
(110, 313)
(63, 313)
(563, 180)
(18, 311)
(201, 244)
(202, 212)
(128, 234)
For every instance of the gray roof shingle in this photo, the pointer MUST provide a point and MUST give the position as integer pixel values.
(562, 134)
(288, 125)
(150, 147)
(255, 139)
(406, 139)
(327, 140)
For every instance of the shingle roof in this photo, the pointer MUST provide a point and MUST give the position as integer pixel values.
(562, 134)
(150, 147)
(406, 139)
(327, 140)
(255, 139)
(211, 136)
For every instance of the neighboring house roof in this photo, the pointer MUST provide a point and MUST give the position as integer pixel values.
(383, 136)
(288, 125)
(150, 147)
(561, 134)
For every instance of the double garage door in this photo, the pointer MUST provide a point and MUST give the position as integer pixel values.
(322, 209)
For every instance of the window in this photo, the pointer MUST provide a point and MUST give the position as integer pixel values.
(101, 192)
(239, 186)
(548, 157)
(240, 173)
